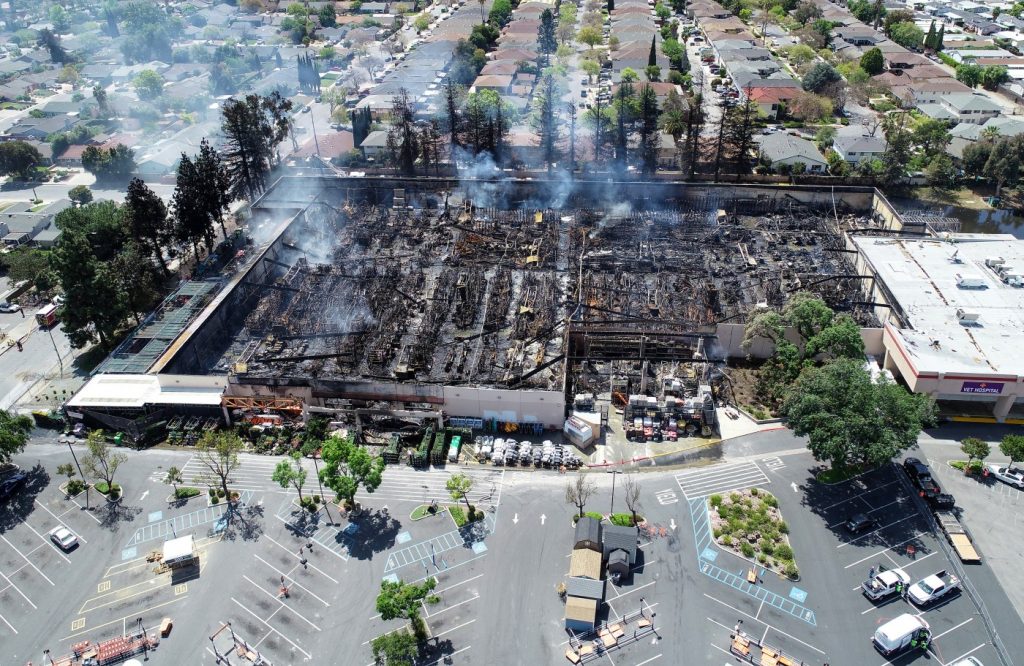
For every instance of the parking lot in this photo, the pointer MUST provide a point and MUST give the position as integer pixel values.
(497, 603)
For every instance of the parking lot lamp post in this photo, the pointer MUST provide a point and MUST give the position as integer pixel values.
(614, 473)
(46, 654)
(72, 449)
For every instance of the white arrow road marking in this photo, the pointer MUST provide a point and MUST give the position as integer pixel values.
(672, 523)
(515, 518)
(794, 486)
(542, 518)
(143, 495)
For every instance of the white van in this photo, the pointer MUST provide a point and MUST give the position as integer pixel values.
(895, 635)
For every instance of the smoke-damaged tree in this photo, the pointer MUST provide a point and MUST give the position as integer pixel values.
(193, 223)
(600, 120)
(648, 129)
(452, 123)
(51, 43)
(579, 491)
(403, 140)
(347, 466)
(545, 120)
(146, 217)
(570, 111)
(673, 117)
(694, 127)
(740, 133)
(547, 40)
(431, 141)
(850, 420)
(214, 183)
(720, 143)
(624, 117)
(361, 124)
(485, 124)
(253, 128)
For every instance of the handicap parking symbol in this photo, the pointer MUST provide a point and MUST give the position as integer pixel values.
(796, 594)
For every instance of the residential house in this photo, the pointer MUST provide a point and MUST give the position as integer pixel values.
(857, 35)
(971, 55)
(973, 108)
(786, 149)
(857, 149)
(45, 150)
(502, 84)
(771, 100)
(330, 147)
(40, 128)
(72, 156)
(964, 134)
(375, 144)
(668, 152)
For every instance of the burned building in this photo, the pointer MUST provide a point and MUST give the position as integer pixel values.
(366, 295)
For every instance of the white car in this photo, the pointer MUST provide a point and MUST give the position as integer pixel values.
(1012, 476)
(9, 307)
(63, 537)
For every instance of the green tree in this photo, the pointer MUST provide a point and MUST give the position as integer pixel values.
(898, 146)
(14, 433)
(146, 217)
(32, 265)
(629, 75)
(100, 95)
(941, 173)
(894, 17)
(932, 136)
(501, 13)
(807, 313)
(148, 84)
(217, 451)
(849, 420)
(214, 183)
(873, 62)
(253, 128)
(1012, 446)
(674, 51)
(590, 36)
(929, 38)
(1004, 162)
(820, 76)
(173, 478)
(80, 194)
(18, 158)
(673, 116)
(591, 68)
(907, 35)
(396, 648)
(290, 472)
(422, 22)
(547, 41)
(459, 486)
(328, 17)
(348, 466)
(839, 339)
(975, 449)
(653, 73)
(975, 157)
(545, 120)
(403, 139)
(101, 461)
(940, 37)
(402, 600)
(968, 74)
(59, 18)
(992, 76)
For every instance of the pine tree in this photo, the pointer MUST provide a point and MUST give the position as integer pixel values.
(253, 128)
(938, 38)
(652, 57)
(545, 120)
(361, 122)
(146, 217)
(451, 101)
(547, 41)
(571, 112)
(192, 223)
(215, 184)
(648, 130)
(624, 122)
(929, 39)
(403, 140)
(739, 133)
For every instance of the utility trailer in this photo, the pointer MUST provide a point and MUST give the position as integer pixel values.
(958, 537)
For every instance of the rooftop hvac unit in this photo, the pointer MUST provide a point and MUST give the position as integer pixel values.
(969, 282)
(965, 317)
(994, 262)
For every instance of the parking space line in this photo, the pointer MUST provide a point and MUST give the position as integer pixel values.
(46, 541)
(292, 553)
(27, 560)
(260, 588)
(290, 641)
(448, 631)
(647, 661)
(8, 624)
(863, 492)
(122, 620)
(447, 608)
(885, 552)
(87, 512)
(288, 575)
(952, 629)
(43, 506)
(18, 589)
(965, 655)
(773, 628)
(879, 529)
(448, 656)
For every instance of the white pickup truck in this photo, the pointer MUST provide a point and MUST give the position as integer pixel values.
(885, 584)
(933, 588)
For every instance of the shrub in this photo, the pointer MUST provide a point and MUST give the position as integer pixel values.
(770, 501)
(594, 514)
(214, 500)
(747, 549)
(955, 464)
(433, 599)
(783, 527)
(784, 552)
(75, 486)
(105, 490)
(717, 532)
(715, 500)
(185, 492)
(767, 547)
(791, 570)
(754, 491)
(419, 628)
(458, 515)
(622, 519)
(212, 492)
(735, 498)
(220, 493)
(727, 540)
(316, 499)
(762, 558)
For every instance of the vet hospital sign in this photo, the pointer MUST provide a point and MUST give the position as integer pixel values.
(982, 387)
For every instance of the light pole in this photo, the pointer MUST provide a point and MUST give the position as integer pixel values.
(614, 473)
(72, 450)
(49, 330)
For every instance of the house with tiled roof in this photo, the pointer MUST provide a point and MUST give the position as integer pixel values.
(786, 149)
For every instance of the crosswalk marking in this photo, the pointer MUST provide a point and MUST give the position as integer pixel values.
(720, 479)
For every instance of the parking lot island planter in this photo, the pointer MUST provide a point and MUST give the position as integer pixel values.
(749, 524)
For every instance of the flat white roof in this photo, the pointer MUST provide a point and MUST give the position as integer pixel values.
(111, 390)
(178, 548)
(922, 277)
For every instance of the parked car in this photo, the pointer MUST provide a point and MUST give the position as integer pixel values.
(12, 483)
(934, 587)
(1008, 475)
(9, 307)
(858, 523)
(915, 468)
(63, 537)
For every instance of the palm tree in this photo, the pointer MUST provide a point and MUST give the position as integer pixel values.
(989, 133)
